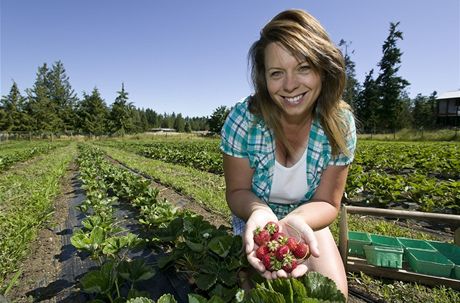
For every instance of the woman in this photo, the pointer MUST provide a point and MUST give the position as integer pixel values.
(288, 146)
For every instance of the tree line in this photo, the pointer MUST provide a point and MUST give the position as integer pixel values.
(381, 103)
(51, 105)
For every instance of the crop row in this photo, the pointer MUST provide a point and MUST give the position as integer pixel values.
(26, 203)
(210, 255)
(382, 174)
(10, 155)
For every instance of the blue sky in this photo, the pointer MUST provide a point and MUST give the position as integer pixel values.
(190, 57)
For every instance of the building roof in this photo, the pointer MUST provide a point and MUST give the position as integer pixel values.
(449, 95)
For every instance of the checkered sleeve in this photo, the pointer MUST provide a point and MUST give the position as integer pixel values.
(234, 132)
(343, 159)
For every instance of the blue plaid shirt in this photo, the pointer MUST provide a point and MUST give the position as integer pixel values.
(246, 136)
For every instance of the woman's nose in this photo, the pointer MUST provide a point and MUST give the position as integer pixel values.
(290, 83)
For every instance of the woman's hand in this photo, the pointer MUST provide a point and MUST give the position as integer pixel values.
(258, 218)
(293, 226)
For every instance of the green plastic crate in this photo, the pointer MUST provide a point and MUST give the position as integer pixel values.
(429, 262)
(384, 256)
(384, 251)
(414, 243)
(356, 242)
(451, 252)
(380, 240)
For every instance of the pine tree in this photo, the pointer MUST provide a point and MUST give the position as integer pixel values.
(63, 96)
(179, 123)
(391, 86)
(217, 119)
(350, 94)
(121, 118)
(367, 104)
(93, 114)
(40, 107)
(14, 116)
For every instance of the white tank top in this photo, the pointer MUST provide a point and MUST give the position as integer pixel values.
(289, 184)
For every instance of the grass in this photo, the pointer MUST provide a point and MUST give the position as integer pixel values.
(206, 188)
(26, 202)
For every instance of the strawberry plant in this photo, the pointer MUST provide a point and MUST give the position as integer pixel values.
(312, 287)
(210, 255)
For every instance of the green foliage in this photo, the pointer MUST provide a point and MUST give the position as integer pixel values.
(312, 287)
(217, 119)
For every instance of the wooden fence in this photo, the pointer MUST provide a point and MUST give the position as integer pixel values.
(355, 264)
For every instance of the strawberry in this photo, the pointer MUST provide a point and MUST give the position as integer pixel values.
(302, 251)
(262, 251)
(280, 237)
(267, 261)
(281, 252)
(289, 263)
(291, 243)
(273, 245)
(261, 236)
(272, 227)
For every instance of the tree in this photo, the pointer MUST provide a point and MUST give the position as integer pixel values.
(217, 119)
(63, 96)
(391, 86)
(14, 117)
(350, 94)
(187, 127)
(40, 107)
(121, 120)
(93, 114)
(424, 111)
(367, 104)
(179, 123)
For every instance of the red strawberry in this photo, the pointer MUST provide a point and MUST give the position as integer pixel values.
(291, 243)
(289, 264)
(302, 251)
(261, 236)
(262, 251)
(282, 251)
(280, 237)
(273, 245)
(272, 227)
(267, 261)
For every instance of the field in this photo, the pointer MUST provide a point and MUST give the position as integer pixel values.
(124, 218)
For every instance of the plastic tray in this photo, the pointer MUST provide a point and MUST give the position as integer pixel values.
(451, 252)
(384, 256)
(429, 262)
(356, 242)
(380, 240)
(414, 243)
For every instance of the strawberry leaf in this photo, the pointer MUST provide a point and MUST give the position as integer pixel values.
(221, 245)
(206, 281)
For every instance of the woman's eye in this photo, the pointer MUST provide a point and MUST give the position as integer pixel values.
(304, 68)
(275, 74)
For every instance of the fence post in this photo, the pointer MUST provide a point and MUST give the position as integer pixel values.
(343, 235)
(457, 236)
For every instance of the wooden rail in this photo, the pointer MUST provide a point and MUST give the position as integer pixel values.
(356, 264)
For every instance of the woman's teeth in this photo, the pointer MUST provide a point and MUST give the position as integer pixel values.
(295, 99)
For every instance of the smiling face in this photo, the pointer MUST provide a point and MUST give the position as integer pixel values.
(294, 85)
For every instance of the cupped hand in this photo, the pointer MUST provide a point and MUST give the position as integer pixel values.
(258, 218)
(293, 226)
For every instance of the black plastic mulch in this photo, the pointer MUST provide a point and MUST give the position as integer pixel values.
(75, 264)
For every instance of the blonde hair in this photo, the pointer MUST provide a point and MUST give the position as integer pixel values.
(304, 37)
